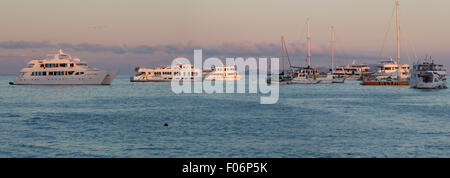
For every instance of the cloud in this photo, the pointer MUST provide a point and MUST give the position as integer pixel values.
(94, 48)
(241, 49)
(25, 44)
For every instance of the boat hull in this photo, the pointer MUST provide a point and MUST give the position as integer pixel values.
(220, 78)
(338, 80)
(318, 80)
(433, 85)
(310, 81)
(150, 80)
(92, 78)
(162, 80)
(385, 83)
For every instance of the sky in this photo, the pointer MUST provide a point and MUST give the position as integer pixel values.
(123, 34)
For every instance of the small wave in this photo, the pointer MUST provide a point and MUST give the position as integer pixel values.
(9, 115)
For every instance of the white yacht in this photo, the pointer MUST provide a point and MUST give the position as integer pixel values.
(223, 73)
(167, 73)
(351, 71)
(389, 72)
(386, 70)
(428, 76)
(62, 69)
(308, 75)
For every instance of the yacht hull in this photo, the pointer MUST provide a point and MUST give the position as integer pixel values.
(157, 79)
(315, 80)
(310, 81)
(339, 80)
(429, 86)
(91, 78)
(385, 83)
(419, 84)
(150, 80)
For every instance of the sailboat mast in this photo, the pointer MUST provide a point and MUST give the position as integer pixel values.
(308, 38)
(332, 49)
(398, 39)
(282, 52)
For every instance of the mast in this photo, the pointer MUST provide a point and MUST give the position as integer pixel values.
(398, 40)
(282, 52)
(332, 49)
(308, 39)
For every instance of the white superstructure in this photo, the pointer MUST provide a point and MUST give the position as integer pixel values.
(308, 75)
(387, 69)
(351, 71)
(62, 69)
(223, 73)
(428, 76)
(167, 73)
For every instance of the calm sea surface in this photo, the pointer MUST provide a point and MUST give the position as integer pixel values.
(126, 120)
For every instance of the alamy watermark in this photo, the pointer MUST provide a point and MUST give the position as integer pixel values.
(191, 80)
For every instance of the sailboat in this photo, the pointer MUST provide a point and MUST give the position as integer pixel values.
(284, 76)
(384, 76)
(308, 74)
(336, 78)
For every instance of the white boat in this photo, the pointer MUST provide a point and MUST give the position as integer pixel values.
(167, 73)
(351, 71)
(308, 75)
(62, 69)
(224, 73)
(386, 70)
(285, 75)
(428, 76)
(389, 72)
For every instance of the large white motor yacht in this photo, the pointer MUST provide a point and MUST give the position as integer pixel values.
(167, 73)
(387, 73)
(62, 69)
(351, 72)
(428, 76)
(388, 68)
(223, 73)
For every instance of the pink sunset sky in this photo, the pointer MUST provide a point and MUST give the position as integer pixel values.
(120, 35)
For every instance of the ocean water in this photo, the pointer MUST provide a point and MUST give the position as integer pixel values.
(126, 120)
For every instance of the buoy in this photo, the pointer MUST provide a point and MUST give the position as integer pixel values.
(166, 124)
(11, 83)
